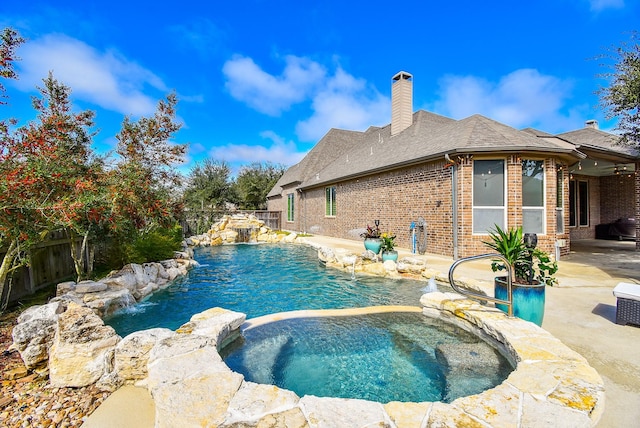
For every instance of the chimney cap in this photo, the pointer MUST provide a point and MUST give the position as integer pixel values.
(403, 75)
(591, 123)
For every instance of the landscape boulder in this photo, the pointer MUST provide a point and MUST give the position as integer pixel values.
(33, 334)
(82, 349)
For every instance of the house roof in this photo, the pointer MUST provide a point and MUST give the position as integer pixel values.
(344, 154)
(332, 145)
(591, 139)
(430, 137)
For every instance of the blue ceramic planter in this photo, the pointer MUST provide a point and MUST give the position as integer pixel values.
(373, 244)
(389, 255)
(528, 300)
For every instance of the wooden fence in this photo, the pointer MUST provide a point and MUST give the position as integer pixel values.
(51, 263)
(197, 222)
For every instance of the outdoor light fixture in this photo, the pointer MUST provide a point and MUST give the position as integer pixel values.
(530, 240)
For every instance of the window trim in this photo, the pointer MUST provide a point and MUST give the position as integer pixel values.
(330, 201)
(560, 212)
(504, 196)
(291, 207)
(542, 207)
(576, 203)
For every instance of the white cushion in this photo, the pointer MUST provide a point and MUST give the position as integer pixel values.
(627, 290)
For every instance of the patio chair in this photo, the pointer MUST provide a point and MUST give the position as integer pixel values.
(628, 303)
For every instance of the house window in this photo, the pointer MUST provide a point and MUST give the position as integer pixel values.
(578, 203)
(290, 206)
(559, 201)
(533, 196)
(330, 201)
(488, 195)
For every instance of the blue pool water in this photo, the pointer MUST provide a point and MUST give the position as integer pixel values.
(259, 280)
(380, 357)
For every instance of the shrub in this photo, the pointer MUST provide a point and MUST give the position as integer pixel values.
(154, 245)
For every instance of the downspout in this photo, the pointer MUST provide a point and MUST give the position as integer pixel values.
(303, 211)
(454, 202)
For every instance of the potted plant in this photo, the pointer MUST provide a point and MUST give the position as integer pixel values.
(388, 244)
(533, 270)
(372, 240)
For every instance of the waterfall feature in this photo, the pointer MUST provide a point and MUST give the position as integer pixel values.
(245, 234)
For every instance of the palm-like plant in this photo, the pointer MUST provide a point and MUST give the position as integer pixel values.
(528, 264)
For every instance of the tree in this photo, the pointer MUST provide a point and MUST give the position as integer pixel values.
(621, 99)
(209, 185)
(142, 185)
(254, 183)
(46, 180)
(9, 42)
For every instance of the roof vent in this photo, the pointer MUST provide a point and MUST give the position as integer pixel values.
(401, 102)
(591, 123)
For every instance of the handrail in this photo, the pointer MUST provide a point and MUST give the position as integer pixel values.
(508, 302)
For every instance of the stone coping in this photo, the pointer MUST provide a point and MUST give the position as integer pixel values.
(310, 313)
(551, 385)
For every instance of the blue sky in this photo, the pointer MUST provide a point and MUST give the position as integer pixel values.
(263, 80)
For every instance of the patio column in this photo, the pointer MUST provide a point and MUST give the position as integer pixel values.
(637, 204)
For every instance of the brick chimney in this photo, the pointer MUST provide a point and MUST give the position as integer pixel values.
(401, 102)
(591, 123)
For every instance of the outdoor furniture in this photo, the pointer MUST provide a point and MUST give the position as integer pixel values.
(628, 303)
(621, 229)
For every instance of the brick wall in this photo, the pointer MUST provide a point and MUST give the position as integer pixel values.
(396, 198)
(400, 197)
(614, 200)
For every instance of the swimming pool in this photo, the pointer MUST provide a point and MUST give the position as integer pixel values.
(259, 280)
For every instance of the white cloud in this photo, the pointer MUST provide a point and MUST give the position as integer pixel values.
(269, 94)
(336, 101)
(520, 99)
(104, 78)
(347, 103)
(278, 151)
(599, 5)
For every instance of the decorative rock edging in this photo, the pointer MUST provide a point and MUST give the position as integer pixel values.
(552, 385)
(38, 327)
(191, 386)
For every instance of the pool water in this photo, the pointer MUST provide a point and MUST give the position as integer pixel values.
(259, 280)
(380, 357)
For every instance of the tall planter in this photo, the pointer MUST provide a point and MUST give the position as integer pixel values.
(373, 244)
(528, 300)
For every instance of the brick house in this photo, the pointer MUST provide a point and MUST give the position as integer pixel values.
(461, 177)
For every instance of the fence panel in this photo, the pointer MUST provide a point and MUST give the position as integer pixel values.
(51, 263)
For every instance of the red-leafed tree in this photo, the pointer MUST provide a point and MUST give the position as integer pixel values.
(48, 177)
(50, 180)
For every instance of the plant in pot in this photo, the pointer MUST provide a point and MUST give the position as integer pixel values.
(533, 270)
(372, 240)
(388, 244)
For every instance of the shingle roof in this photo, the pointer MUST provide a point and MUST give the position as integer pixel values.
(595, 139)
(344, 154)
(332, 145)
(430, 137)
